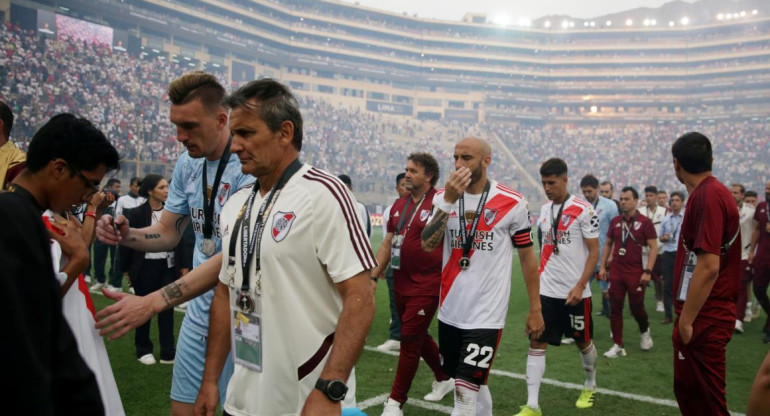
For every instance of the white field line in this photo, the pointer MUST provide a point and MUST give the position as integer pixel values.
(380, 400)
(572, 386)
(374, 401)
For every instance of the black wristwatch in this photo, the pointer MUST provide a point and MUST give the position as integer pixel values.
(647, 271)
(335, 390)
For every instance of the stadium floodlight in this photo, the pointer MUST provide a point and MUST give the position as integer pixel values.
(564, 24)
(571, 24)
(755, 12)
(593, 24)
(585, 24)
(594, 109)
(729, 16)
(743, 13)
(671, 23)
(720, 16)
(608, 23)
(501, 19)
(547, 24)
(685, 21)
(653, 22)
(646, 22)
(629, 22)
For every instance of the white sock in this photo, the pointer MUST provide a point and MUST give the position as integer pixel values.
(588, 357)
(466, 395)
(484, 403)
(535, 371)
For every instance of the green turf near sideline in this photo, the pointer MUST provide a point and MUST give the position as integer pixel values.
(144, 389)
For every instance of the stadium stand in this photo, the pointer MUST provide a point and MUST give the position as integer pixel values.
(376, 85)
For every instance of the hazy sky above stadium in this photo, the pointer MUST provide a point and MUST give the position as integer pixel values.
(514, 9)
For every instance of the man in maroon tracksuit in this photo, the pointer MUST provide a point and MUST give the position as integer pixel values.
(759, 257)
(629, 232)
(416, 281)
(707, 277)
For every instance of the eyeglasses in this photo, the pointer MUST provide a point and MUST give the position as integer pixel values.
(94, 188)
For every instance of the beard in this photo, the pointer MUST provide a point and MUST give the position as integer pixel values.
(476, 174)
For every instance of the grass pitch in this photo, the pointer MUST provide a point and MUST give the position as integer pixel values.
(639, 384)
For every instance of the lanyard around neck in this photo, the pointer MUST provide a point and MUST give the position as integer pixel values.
(251, 244)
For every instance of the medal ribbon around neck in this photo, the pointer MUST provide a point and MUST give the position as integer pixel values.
(208, 202)
(467, 240)
(555, 223)
(626, 232)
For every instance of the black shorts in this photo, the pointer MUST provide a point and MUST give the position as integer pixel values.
(467, 354)
(562, 320)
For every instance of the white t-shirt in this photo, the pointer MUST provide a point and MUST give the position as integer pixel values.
(559, 273)
(656, 216)
(477, 298)
(746, 213)
(311, 241)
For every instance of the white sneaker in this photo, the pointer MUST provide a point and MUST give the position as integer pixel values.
(567, 341)
(131, 290)
(389, 345)
(738, 326)
(440, 389)
(615, 352)
(87, 278)
(147, 359)
(96, 287)
(659, 307)
(112, 288)
(392, 408)
(646, 342)
(748, 313)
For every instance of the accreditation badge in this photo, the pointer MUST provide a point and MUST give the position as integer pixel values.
(246, 334)
(395, 258)
(687, 270)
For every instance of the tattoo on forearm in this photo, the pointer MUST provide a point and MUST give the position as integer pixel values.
(434, 231)
(179, 223)
(151, 236)
(173, 292)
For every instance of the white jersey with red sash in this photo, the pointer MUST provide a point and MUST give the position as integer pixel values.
(477, 297)
(559, 273)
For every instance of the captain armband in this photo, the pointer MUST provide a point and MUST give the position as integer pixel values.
(522, 238)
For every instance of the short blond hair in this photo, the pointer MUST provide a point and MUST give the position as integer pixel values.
(197, 85)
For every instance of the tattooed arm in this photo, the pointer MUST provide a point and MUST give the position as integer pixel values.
(433, 233)
(132, 311)
(163, 236)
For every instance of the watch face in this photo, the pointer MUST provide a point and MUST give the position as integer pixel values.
(336, 390)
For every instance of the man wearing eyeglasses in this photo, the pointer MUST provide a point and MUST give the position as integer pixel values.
(67, 159)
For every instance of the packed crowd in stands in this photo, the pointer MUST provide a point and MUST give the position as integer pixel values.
(126, 97)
